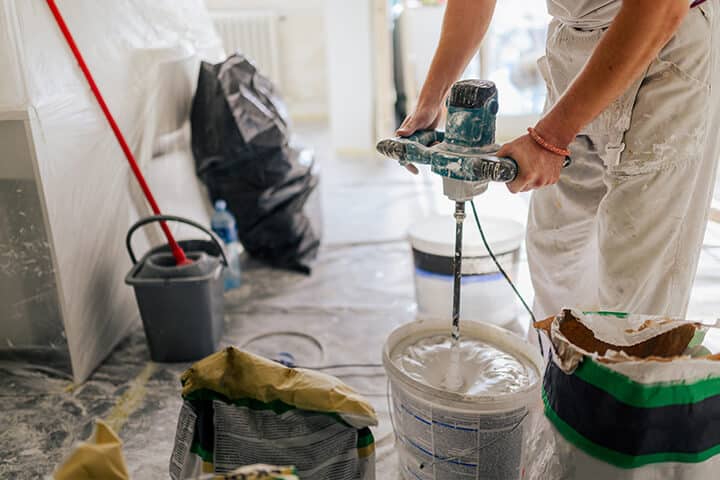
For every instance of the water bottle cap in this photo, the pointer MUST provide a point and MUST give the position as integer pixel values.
(220, 205)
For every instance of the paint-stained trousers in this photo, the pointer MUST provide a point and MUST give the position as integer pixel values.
(623, 228)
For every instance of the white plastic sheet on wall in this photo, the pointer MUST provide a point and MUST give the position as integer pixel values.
(144, 57)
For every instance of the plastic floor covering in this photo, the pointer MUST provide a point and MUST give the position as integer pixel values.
(361, 289)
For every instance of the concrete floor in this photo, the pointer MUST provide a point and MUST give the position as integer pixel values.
(361, 288)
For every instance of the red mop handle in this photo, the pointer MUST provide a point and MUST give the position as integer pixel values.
(177, 252)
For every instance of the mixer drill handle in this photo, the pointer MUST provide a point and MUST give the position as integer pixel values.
(416, 149)
(413, 148)
(495, 169)
(498, 169)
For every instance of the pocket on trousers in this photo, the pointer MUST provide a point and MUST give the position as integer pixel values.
(669, 116)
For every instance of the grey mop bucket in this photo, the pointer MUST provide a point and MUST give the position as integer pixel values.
(181, 306)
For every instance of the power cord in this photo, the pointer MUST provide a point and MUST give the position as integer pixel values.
(502, 270)
(287, 359)
(497, 264)
(341, 365)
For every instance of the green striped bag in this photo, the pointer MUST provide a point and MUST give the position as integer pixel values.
(241, 409)
(617, 416)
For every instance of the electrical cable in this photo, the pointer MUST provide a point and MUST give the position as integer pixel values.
(502, 271)
(342, 365)
(289, 333)
(312, 339)
(497, 264)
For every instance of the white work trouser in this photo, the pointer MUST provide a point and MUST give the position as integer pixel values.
(623, 227)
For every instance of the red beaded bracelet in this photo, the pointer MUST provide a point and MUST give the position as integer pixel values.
(547, 145)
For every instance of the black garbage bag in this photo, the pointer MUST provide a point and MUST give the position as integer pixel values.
(240, 141)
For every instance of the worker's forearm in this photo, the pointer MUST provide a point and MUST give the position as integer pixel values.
(640, 29)
(464, 26)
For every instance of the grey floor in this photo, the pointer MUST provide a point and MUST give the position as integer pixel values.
(360, 289)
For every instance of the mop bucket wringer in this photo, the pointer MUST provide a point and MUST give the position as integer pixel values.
(181, 306)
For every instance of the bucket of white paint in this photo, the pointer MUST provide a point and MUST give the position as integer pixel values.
(443, 434)
(485, 293)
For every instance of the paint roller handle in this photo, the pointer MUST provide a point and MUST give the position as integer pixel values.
(171, 218)
(498, 169)
(411, 149)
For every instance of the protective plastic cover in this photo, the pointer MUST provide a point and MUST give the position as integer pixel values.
(66, 190)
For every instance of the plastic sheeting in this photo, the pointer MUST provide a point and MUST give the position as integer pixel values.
(67, 169)
(360, 290)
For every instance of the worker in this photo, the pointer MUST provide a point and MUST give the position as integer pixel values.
(632, 97)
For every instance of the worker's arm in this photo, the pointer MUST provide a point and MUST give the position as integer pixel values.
(636, 35)
(464, 26)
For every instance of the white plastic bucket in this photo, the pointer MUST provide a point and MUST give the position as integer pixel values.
(485, 293)
(446, 435)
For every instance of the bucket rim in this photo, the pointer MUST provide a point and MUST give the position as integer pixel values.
(427, 326)
(132, 279)
(434, 235)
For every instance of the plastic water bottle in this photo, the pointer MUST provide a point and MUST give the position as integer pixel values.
(223, 224)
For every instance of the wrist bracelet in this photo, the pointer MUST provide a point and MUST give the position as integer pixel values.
(547, 145)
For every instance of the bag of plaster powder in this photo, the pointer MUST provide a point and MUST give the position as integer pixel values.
(632, 397)
(241, 409)
(254, 472)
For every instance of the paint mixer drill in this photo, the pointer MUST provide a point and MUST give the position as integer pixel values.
(462, 155)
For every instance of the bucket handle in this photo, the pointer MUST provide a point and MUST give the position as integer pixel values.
(170, 218)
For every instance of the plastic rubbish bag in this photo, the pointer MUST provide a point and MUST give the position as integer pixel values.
(631, 397)
(240, 141)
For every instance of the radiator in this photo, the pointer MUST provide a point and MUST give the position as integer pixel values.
(254, 34)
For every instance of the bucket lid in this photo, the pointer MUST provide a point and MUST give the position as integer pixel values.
(436, 235)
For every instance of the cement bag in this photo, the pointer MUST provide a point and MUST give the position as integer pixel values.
(99, 457)
(632, 397)
(241, 409)
(254, 472)
(240, 141)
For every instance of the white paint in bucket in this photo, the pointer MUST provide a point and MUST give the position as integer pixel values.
(485, 293)
(445, 434)
(468, 365)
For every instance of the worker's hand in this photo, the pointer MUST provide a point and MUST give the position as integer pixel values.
(425, 117)
(537, 167)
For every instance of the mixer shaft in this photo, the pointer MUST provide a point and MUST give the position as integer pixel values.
(457, 268)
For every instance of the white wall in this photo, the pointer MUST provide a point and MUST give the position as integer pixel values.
(302, 51)
(332, 66)
(350, 75)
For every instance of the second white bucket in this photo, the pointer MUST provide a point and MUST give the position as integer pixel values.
(485, 293)
(447, 435)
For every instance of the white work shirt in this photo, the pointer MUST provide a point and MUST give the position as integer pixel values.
(587, 14)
